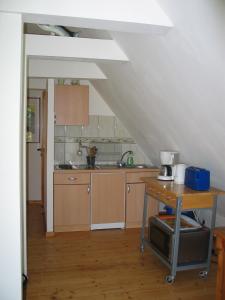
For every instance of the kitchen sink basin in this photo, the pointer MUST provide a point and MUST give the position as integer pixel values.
(70, 167)
(140, 166)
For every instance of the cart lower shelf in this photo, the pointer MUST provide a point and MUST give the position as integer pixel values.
(202, 266)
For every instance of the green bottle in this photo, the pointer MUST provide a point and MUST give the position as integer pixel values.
(130, 160)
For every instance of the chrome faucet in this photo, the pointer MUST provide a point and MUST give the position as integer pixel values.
(121, 163)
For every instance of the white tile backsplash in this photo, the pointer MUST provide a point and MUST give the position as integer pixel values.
(139, 156)
(59, 153)
(59, 130)
(92, 129)
(73, 131)
(120, 130)
(66, 146)
(106, 126)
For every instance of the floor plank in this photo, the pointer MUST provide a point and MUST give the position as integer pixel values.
(102, 265)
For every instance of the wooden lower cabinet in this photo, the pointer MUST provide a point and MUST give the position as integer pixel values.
(107, 199)
(134, 205)
(71, 208)
(116, 200)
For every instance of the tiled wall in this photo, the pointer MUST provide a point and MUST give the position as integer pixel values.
(103, 130)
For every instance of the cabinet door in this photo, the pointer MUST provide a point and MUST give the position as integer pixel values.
(71, 104)
(134, 205)
(71, 208)
(108, 200)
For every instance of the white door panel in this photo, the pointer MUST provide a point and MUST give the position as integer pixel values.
(34, 171)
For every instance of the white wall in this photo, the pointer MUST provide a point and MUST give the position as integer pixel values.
(37, 83)
(97, 105)
(172, 93)
(10, 153)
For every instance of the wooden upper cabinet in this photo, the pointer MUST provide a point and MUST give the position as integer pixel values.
(71, 104)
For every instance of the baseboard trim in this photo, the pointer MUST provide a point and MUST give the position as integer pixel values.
(34, 202)
(49, 234)
(107, 226)
(71, 228)
(133, 225)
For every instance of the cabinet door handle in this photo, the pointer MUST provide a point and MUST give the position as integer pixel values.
(55, 118)
(72, 178)
(88, 189)
(128, 189)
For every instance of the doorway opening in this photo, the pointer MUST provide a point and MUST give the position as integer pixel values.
(36, 137)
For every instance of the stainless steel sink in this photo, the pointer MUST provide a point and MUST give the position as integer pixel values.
(141, 166)
(106, 167)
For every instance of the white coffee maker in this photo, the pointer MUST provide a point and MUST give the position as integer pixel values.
(168, 160)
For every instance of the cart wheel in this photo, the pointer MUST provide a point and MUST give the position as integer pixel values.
(169, 279)
(203, 274)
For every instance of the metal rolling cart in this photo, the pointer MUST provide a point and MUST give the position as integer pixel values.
(180, 198)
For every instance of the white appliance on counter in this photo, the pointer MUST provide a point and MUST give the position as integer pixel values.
(179, 173)
(168, 159)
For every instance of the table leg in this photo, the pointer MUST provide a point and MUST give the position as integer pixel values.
(176, 237)
(145, 207)
(212, 226)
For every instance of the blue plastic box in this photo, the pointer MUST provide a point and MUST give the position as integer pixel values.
(197, 179)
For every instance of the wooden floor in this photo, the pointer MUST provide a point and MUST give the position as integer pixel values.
(103, 265)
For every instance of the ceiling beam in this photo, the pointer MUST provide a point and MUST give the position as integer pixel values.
(73, 48)
(43, 68)
(122, 15)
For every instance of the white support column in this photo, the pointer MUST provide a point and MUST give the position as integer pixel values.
(10, 153)
(50, 155)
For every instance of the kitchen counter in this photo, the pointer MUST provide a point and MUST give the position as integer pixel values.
(106, 168)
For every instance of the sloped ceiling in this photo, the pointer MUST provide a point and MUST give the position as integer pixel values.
(171, 95)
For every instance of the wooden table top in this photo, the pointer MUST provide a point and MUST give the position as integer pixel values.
(179, 189)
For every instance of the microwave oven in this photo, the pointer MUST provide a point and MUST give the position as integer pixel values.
(193, 243)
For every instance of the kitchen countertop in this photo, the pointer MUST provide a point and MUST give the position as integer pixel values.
(106, 168)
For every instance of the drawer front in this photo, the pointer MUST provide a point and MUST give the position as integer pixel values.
(136, 176)
(72, 178)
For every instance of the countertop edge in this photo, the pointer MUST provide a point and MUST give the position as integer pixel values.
(106, 170)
